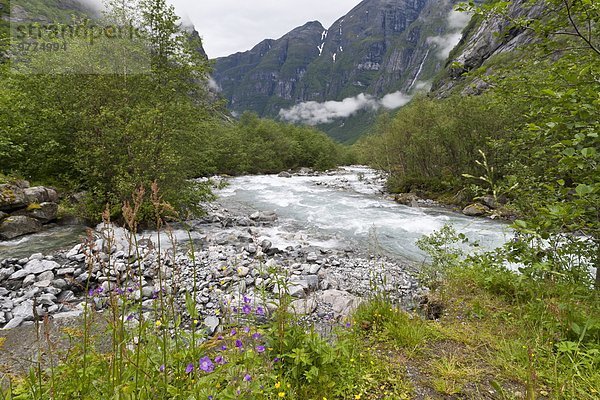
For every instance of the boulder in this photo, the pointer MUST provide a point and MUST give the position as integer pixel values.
(3, 215)
(40, 194)
(284, 174)
(12, 197)
(408, 199)
(303, 306)
(489, 201)
(342, 302)
(475, 210)
(44, 212)
(16, 226)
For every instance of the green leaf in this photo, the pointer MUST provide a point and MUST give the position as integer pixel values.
(584, 190)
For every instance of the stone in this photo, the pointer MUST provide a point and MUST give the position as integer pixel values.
(475, 210)
(47, 299)
(266, 245)
(44, 212)
(295, 290)
(5, 273)
(46, 276)
(60, 283)
(342, 302)
(3, 215)
(36, 256)
(407, 199)
(13, 323)
(66, 297)
(303, 306)
(312, 257)
(243, 272)
(11, 197)
(74, 251)
(284, 174)
(40, 266)
(267, 216)
(211, 323)
(65, 271)
(13, 227)
(29, 279)
(42, 284)
(24, 310)
(20, 274)
(489, 201)
(40, 194)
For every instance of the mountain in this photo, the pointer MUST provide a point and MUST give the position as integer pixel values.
(379, 47)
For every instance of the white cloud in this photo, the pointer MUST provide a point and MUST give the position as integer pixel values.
(213, 85)
(457, 21)
(313, 113)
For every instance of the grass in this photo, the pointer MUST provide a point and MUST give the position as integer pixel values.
(498, 335)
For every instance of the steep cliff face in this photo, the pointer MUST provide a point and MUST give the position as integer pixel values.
(484, 40)
(271, 74)
(379, 47)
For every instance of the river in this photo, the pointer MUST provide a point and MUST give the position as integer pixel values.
(345, 209)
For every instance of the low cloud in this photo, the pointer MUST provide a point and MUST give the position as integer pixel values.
(213, 85)
(314, 113)
(457, 21)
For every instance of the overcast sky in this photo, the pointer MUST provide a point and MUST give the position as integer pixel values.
(229, 26)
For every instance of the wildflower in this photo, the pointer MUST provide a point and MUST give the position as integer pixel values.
(239, 344)
(260, 349)
(357, 396)
(281, 394)
(162, 368)
(260, 311)
(206, 364)
(130, 317)
(220, 360)
(256, 336)
(119, 291)
(233, 332)
(158, 323)
(277, 385)
(247, 299)
(348, 325)
(235, 309)
(210, 398)
(220, 337)
(246, 309)
(276, 359)
(223, 348)
(247, 378)
(189, 369)
(247, 329)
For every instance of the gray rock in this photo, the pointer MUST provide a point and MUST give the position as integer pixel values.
(20, 274)
(60, 283)
(408, 199)
(13, 227)
(36, 256)
(44, 212)
(65, 271)
(267, 216)
(475, 210)
(13, 323)
(66, 297)
(12, 197)
(42, 284)
(6, 304)
(47, 299)
(489, 201)
(303, 306)
(40, 266)
(46, 276)
(24, 310)
(74, 251)
(40, 194)
(6, 272)
(211, 323)
(3, 215)
(243, 272)
(295, 290)
(29, 279)
(312, 257)
(342, 302)
(284, 174)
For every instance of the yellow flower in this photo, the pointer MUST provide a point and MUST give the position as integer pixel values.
(281, 394)
(158, 323)
(277, 385)
(218, 385)
(357, 396)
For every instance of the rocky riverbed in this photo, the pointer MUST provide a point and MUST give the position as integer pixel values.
(232, 257)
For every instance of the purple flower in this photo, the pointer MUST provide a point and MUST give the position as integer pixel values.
(348, 325)
(220, 360)
(210, 398)
(119, 291)
(276, 359)
(247, 309)
(260, 349)
(162, 368)
(233, 332)
(260, 311)
(206, 364)
(247, 300)
(130, 317)
(247, 329)
(247, 378)
(235, 309)
(189, 369)
(223, 348)
(239, 344)
(256, 336)
(220, 337)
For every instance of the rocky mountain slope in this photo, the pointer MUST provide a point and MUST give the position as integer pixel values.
(379, 47)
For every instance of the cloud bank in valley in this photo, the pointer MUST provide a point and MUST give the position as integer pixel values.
(314, 113)
(456, 22)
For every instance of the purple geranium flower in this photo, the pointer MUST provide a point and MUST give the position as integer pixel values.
(220, 360)
(276, 359)
(247, 329)
(162, 368)
(247, 378)
(247, 300)
(256, 336)
(260, 349)
(223, 348)
(233, 332)
(239, 344)
(206, 364)
(260, 311)
(247, 309)
(189, 369)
